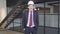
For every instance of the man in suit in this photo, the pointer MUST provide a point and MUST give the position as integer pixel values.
(30, 19)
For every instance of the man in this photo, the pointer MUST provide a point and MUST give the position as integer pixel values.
(30, 19)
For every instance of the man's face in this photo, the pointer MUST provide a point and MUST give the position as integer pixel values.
(31, 7)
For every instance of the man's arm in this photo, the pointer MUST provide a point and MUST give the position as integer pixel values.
(37, 19)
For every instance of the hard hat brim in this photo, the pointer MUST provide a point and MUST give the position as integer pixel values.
(30, 4)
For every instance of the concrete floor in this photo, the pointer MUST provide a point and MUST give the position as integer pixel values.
(9, 32)
(48, 30)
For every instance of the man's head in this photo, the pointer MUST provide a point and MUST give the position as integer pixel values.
(30, 5)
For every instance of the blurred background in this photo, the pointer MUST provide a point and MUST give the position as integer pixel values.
(49, 15)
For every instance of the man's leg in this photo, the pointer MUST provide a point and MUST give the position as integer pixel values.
(33, 31)
(27, 31)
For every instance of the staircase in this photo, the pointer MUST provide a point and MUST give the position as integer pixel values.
(12, 15)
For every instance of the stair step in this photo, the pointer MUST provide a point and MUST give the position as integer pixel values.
(10, 18)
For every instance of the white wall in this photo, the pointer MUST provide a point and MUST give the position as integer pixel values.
(3, 9)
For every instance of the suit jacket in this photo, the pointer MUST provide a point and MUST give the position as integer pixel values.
(25, 18)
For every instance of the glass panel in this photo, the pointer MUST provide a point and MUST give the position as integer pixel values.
(59, 24)
(41, 20)
(55, 9)
(51, 20)
(11, 25)
(40, 8)
(16, 27)
(17, 20)
(59, 16)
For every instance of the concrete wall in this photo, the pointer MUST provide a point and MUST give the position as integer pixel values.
(3, 10)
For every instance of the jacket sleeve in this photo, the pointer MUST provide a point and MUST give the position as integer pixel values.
(37, 19)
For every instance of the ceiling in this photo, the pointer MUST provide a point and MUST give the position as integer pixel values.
(13, 2)
(56, 3)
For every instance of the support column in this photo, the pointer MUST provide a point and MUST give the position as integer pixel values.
(3, 11)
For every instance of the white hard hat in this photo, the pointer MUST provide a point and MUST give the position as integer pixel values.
(30, 2)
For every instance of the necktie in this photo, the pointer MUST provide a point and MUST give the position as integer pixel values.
(30, 23)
